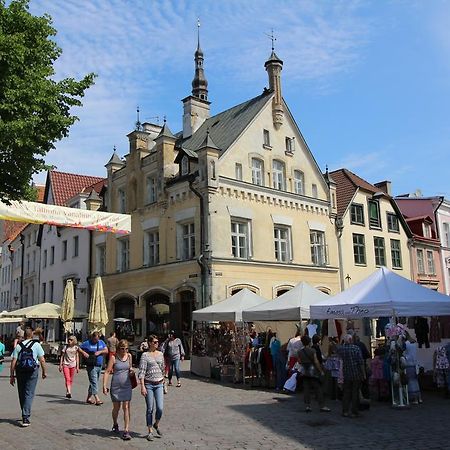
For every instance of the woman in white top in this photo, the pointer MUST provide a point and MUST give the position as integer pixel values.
(69, 363)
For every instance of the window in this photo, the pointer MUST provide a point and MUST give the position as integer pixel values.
(33, 265)
(76, 245)
(122, 201)
(380, 252)
(427, 230)
(239, 239)
(374, 214)
(151, 252)
(28, 264)
(420, 261)
(281, 240)
(52, 255)
(279, 181)
(266, 138)
(314, 191)
(430, 263)
(357, 214)
(318, 250)
(290, 145)
(359, 249)
(151, 189)
(44, 263)
(392, 223)
(299, 182)
(446, 236)
(238, 171)
(184, 165)
(188, 240)
(396, 254)
(64, 250)
(52, 290)
(257, 172)
(101, 259)
(124, 254)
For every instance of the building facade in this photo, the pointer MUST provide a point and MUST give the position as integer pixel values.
(442, 208)
(233, 200)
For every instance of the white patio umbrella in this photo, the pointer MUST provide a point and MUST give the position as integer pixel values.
(98, 314)
(42, 311)
(68, 307)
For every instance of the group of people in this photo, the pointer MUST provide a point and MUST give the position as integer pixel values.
(119, 377)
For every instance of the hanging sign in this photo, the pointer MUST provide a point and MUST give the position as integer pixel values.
(61, 216)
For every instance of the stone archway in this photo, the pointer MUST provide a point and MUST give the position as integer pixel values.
(157, 313)
(124, 308)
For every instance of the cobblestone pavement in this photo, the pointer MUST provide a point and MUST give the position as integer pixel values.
(207, 415)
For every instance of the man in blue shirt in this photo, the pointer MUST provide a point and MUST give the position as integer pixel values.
(93, 350)
(26, 371)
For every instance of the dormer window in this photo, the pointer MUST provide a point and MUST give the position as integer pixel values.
(290, 145)
(184, 165)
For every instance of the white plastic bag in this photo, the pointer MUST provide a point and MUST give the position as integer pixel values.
(291, 383)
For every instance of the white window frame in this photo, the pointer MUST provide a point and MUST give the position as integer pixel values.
(122, 200)
(238, 171)
(123, 254)
(318, 248)
(446, 236)
(151, 247)
(258, 171)
(151, 189)
(186, 240)
(101, 259)
(430, 263)
(427, 230)
(278, 175)
(420, 261)
(239, 251)
(266, 138)
(299, 182)
(282, 244)
(290, 145)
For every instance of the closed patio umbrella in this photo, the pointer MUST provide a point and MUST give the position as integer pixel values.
(68, 306)
(98, 314)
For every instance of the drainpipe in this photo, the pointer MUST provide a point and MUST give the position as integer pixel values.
(22, 243)
(201, 259)
(339, 226)
(438, 230)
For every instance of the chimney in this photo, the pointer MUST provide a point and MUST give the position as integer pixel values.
(385, 186)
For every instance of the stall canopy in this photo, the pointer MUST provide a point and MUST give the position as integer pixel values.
(42, 311)
(230, 309)
(383, 294)
(292, 305)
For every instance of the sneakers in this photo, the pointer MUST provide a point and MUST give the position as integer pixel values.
(25, 423)
(115, 428)
(150, 436)
(325, 409)
(126, 436)
(69, 396)
(308, 409)
(158, 432)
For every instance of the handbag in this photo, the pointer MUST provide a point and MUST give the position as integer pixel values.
(133, 378)
(309, 371)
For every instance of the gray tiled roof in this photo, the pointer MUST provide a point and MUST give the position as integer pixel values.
(225, 127)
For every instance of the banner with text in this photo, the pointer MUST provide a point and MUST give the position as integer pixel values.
(61, 216)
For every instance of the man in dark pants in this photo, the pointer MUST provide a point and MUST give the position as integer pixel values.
(27, 376)
(354, 374)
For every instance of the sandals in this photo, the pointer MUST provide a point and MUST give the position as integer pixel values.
(98, 403)
(178, 384)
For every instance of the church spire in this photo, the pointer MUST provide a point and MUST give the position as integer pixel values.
(199, 83)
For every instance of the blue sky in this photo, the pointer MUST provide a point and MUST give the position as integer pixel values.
(368, 82)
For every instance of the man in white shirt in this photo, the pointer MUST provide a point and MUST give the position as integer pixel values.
(293, 347)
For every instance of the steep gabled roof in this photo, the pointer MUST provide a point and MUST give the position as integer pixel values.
(347, 184)
(67, 185)
(12, 229)
(226, 127)
(40, 192)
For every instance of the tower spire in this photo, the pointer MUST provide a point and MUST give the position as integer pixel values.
(199, 83)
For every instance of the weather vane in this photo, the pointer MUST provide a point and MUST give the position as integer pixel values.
(138, 121)
(272, 38)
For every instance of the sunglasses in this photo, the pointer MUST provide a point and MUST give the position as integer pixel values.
(154, 342)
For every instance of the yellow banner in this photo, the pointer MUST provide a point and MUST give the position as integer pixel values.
(61, 216)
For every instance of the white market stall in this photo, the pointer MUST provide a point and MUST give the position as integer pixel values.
(228, 310)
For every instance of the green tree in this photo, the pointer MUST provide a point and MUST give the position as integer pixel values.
(35, 109)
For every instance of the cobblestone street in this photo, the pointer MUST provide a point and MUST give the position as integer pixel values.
(206, 415)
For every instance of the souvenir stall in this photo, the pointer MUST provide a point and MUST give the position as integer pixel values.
(386, 294)
(219, 338)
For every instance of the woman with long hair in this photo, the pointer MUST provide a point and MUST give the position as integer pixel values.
(120, 366)
(151, 377)
(69, 363)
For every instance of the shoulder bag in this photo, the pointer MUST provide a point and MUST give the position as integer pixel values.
(133, 378)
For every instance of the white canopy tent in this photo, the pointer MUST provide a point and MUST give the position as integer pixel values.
(230, 309)
(292, 305)
(383, 294)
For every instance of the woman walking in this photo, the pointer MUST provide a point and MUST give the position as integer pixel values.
(151, 377)
(174, 350)
(69, 363)
(120, 366)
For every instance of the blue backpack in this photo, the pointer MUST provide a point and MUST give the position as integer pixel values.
(25, 360)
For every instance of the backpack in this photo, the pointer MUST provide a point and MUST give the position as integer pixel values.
(25, 360)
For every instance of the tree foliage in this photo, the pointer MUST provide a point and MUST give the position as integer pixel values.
(35, 109)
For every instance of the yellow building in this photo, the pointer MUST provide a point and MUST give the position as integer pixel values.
(234, 200)
(371, 230)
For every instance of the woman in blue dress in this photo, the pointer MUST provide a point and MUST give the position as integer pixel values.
(120, 366)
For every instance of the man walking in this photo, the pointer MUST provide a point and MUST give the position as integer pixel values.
(26, 358)
(354, 374)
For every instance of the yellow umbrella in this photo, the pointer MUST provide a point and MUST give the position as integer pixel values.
(98, 314)
(68, 307)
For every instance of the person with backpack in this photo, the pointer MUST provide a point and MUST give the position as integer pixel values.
(27, 356)
(93, 350)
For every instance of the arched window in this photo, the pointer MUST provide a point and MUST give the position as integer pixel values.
(278, 175)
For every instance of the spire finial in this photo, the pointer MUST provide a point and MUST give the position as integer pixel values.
(165, 119)
(138, 121)
(114, 149)
(272, 38)
(198, 32)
